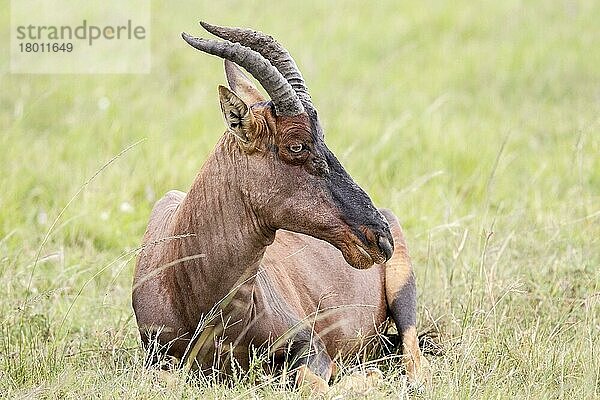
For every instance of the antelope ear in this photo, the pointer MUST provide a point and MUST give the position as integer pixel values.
(238, 116)
(241, 85)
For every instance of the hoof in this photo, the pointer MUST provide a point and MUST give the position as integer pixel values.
(419, 377)
(167, 379)
(308, 380)
(359, 382)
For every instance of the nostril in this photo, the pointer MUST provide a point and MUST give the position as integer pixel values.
(386, 247)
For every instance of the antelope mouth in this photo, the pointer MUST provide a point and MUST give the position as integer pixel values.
(363, 252)
(361, 256)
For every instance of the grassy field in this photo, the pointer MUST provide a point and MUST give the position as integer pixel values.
(476, 122)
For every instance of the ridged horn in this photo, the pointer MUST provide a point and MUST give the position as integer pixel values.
(279, 89)
(270, 49)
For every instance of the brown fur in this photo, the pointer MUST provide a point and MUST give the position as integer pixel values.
(261, 243)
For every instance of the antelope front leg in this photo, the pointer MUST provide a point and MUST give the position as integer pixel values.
(313, 365)
(403, 310)
(417, 366)
(401, 294)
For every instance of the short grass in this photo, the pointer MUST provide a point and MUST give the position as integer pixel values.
(476, 122)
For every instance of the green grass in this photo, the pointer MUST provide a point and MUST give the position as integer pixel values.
(477, 123)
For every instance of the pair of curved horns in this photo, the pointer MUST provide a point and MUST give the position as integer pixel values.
(263, 57)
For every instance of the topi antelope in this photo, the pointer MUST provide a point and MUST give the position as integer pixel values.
(268, 234)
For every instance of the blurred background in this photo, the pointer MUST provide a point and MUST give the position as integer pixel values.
(475, 122)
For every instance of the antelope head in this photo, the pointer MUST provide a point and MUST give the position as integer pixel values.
(287, 175)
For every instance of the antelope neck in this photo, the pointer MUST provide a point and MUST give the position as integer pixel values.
(226, 236)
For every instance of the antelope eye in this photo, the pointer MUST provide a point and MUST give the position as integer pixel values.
(296, 148)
